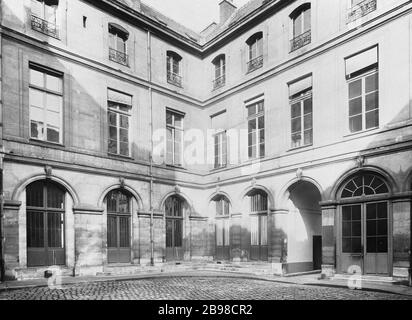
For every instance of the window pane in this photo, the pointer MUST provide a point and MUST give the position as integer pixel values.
(252, 125)
(371, 245)
(261, 122)
(296, 110)
(356, 245)
(355, 106)
(346, 229)
(347, 245)
(251, 110)
(307, 22)
(54, 230)
(53, 135)
(36, 98)
(53, 83)
(356, 213)
(382, 244)
(355, 89)
(296, 125)
(124, 122)
(113, 146)
(371, 228)
(111, 231)
(372, 101)
(356, 229)
(124, 149)
(37, 8)
(36, 78)
(178, 121)
(35, 229)
(355, 123)
(371, 83)
(382, 210)
(308, 121)
(372, 119)
(308, 136)
(124, 135)
(169, 118)
(54, 102)
(307, 106)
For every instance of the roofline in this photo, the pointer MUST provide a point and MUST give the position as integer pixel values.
(183, 40)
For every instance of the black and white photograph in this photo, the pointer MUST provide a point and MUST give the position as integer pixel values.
(224, 152)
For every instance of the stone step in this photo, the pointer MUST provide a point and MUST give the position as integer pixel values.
(38, 273)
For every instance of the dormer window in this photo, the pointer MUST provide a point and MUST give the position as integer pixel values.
(255, 45)
(174, 68)
(219, 64)
(361, 8)
(118, 44)
(301, 19)
(43, 17)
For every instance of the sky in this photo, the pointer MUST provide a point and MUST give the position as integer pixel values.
(194, 14)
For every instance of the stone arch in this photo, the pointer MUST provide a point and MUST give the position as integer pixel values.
(269, 193)
(220, 193)
(387, 178)
(22, 186)
(129, 189)
(284, 192)
(179, 194)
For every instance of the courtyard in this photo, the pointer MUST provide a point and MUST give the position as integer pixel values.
(194, 288)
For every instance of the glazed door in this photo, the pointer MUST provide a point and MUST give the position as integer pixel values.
(365, 239)
(377, 231)
(222, 239)
(174, 239)
(118, 239)
(258, 233)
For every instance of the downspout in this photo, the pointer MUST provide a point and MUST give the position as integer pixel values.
(2, 262)
(149, 69)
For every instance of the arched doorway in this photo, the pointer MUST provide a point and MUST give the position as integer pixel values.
(119, 212)
(364, 235)
(304, 245)
(45, 214)
(222, 227)
(174, 207)
(258, 215)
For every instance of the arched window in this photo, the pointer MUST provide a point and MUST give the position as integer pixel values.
(174, 206)
(118, 44)
(364, 185)
(174, 68)
(45, 207)
(119, 204)
(43, 16)
(258, 225)
(255, 46)
(301, 19)
(219, 64)
(222, 222)
(364, 224)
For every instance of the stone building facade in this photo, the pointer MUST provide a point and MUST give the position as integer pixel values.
(280, 136)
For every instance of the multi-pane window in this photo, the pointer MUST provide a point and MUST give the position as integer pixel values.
(174, 139)
(220, 147)
(220, 72)
(173, 68)
(256, 130)
(118, 44)
(301, 112)
(301, 19)
(258, 211)
(222, 222)
(46, 104)
(363, 90)
(43, 16)
(255, 47)
(352, 229)
(364, 102)
(119, 109)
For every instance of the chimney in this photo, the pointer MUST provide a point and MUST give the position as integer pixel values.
(226, 10)
(134, 4)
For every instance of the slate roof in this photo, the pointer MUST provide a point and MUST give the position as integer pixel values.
(201, 37)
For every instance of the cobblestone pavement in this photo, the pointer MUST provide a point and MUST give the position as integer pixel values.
(194, 288)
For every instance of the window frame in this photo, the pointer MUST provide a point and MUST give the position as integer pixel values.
(45, 91)
(256, 117)
(362, 75)
(173, 60)
(118, 114)
(301, 98)
(219, 64)
(173, 129)
(221, 157)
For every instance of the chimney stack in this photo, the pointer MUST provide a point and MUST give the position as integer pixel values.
(227, 8)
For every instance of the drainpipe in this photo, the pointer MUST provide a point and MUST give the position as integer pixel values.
(149, 68)
(2, 266)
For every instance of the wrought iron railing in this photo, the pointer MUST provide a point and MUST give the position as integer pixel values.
(361, 9)
(219, 82)
(44, 26)
(119, 57)
(174, 79)
(301, 40)
(254, 64)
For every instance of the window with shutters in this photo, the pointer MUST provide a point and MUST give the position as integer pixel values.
(118, 44)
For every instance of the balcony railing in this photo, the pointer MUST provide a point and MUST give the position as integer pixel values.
(219, 82)
(174, 79)
(361, 9)
(255, 64)
(301, 41)
(119, 57)
(44, 26)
